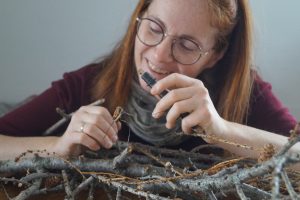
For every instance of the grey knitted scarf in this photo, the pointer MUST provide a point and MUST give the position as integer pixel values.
(141, 122)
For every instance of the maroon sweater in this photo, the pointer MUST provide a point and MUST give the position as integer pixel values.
(32, 119)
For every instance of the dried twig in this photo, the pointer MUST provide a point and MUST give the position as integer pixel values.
(67, 186)
(29, 191)
(129, 189)
(66, 118)
(240, 191)
(151, 175)
(289, 186)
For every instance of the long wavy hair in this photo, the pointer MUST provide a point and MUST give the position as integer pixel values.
(231, 77)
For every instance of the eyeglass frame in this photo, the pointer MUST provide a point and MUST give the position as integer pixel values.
(164, 35)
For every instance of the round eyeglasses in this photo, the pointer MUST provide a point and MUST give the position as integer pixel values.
(184, 50)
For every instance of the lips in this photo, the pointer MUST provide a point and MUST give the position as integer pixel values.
(157, 69)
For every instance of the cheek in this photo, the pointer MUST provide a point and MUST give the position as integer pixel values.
(138, 55)
(138, 52)
(191, 71)
(197, 68)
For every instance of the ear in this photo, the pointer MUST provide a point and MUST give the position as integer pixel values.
(215, 57)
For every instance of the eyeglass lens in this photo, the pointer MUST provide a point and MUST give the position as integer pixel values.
(184, 51)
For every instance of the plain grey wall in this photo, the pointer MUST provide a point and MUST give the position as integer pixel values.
(39, 40)
(277, 32)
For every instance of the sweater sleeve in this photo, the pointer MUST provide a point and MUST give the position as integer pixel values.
(267, 112)
(34, 117)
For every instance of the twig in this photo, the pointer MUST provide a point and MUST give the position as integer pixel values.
(206, 146)
(107, 192)
(83, 185)
(211, 195)
(288, 145)
(119, 160)
(276, 179)
(240, 191)
(91, 191)
(91, 165)
(227, 181)
(119, 194)
(66, 118)
(14, 180)
(63, 114)
(5, 192)
(289, 186)
(129, 189)
(199, 132)
(180, 154)
(47, 190)
(37, 175)
(181, 162)
(29, 191)
(126, 170)
(168, 165)
(255, 193)
(67, 186)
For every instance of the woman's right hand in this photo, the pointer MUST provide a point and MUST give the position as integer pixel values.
(92, 127)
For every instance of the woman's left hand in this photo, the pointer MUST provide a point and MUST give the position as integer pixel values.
(187, 95)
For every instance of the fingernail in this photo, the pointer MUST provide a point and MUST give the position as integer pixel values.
(153, 90)
(155, 114)
(169, 125)
(115, 138)
(109, 144)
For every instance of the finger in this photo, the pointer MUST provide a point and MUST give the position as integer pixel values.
(85, 140)
(98, 135)
(109, 128)
(119, 125)
(113, 124)
(111, 131)
(96, 110)
(177, 111)
(172, 81)
(197, 118)
(105, 113)
(105, 123)
(171, 98)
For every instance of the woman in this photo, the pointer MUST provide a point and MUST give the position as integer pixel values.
(198, 50)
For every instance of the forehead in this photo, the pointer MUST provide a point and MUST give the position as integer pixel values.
(190, 17)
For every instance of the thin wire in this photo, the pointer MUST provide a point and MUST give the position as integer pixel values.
(118, 116)
(129, 132)
(128, 138)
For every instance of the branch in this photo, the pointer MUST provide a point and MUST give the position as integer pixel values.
(129, 189)
(87, 165)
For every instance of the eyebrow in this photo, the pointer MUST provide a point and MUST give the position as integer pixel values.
(181, 36)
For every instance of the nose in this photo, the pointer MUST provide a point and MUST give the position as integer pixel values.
(163, 51)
